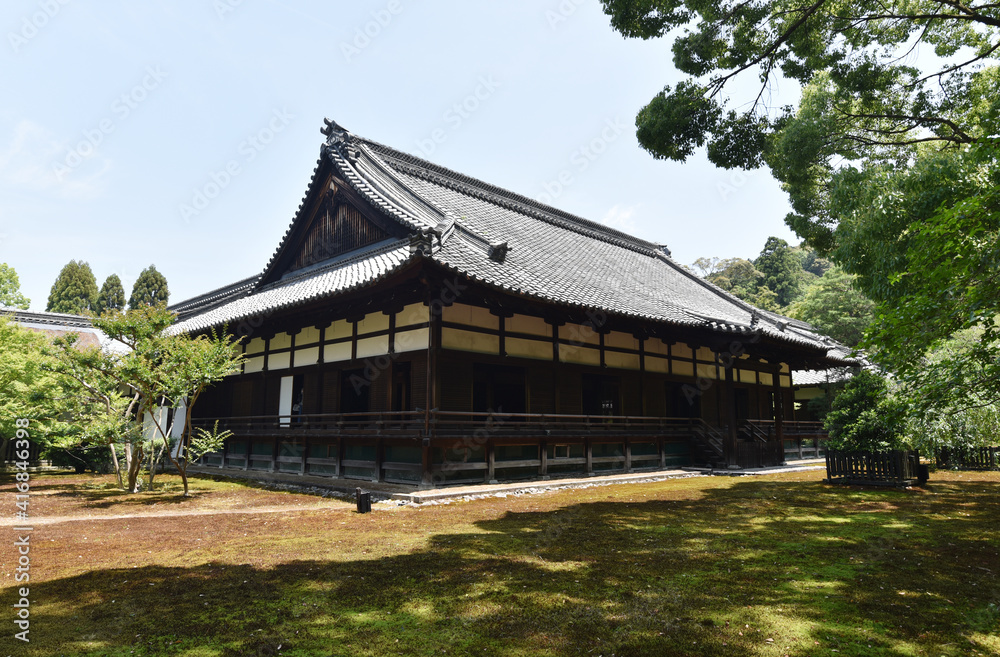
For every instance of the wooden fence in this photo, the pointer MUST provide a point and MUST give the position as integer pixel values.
(759, 454)
(969, 458)
(894, 468)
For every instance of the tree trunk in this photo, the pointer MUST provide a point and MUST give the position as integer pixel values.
(154, 463)
(133, 454)
(114, 460)
(182, 470)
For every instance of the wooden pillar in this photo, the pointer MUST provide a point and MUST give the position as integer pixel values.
(379, 458)
(589, 451)
(246, 461)
(274, 454)
(341, 451)
(491, 463)
(729, 413)
(543, 457)
(556, 369)
(426, 464)
(779, 407)
(662, 452)
(225, 451)
(628, 455)
(305, 456)
(430, 394)
(642, 375)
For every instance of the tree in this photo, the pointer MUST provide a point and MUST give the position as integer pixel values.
(111, 296)
(27, 387)
(835, 307)
(740, 278)
(812, 263)
(10, 289)
(935, 273)
(865, 416)
(104, 410)
(169, 370)
(950, 404)
(863, 97)
(781, 270)
(150, 289)
(75, 289)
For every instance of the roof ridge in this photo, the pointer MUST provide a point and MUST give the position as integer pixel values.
(212, 294)
(470, 186)
(42, 317)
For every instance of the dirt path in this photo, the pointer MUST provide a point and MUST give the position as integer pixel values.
(51, 520)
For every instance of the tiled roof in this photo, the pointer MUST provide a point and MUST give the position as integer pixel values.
(327, 279)
(551, 255)
(59, 324)
(820, 377)
(205, 302)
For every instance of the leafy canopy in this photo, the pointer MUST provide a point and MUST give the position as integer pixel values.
(864, 95)
(835, 307)
(75, 289)
(780, 269)
(149, 289)
(111, 297)
(936, 271)
(29, 390)
(170, 370)
(10, 289)
(865, 416)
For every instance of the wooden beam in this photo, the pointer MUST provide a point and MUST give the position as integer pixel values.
(729, 405)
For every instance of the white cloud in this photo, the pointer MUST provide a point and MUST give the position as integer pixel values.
(620, 218)
(30, 160)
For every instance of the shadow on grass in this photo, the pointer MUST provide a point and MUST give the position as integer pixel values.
(754, 568)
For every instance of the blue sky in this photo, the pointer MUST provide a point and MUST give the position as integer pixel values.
(120, 119)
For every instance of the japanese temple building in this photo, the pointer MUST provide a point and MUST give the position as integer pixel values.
(416, 325)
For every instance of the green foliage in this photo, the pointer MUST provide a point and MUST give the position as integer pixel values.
(206, 442)
(674, 123)
(10, 289)
(75, 289)
(865, 416)
(166, 369)
(780, 268)
(736, 275)
(111, 296)
(769, 282)
(811, 262)
(29, 388)
(863, 99)
(95, 458)
(940, 273)
(952, 396)
(835, 307)
(150, 289)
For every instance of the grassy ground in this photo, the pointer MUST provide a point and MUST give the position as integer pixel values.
(777, 565)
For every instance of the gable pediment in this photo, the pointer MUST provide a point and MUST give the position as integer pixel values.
(337, 229)
(339, 222)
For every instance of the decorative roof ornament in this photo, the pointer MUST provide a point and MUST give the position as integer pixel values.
(498, 251)
(422, 242)
(754, 319)
(334, 132)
